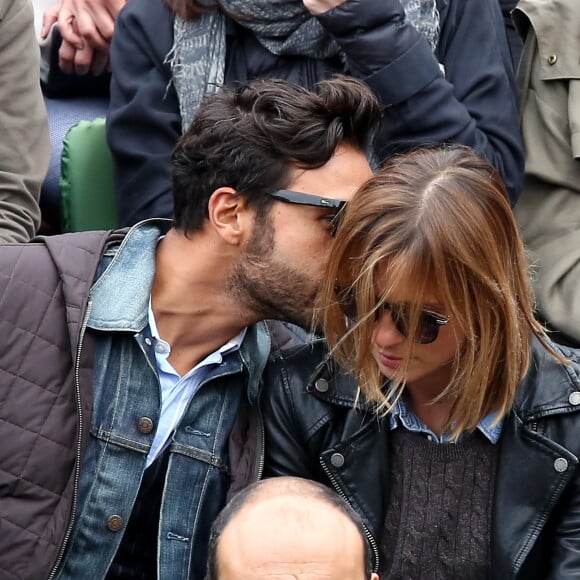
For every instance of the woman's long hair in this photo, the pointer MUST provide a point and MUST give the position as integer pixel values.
(435, 221)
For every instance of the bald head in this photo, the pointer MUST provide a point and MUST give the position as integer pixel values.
(288, 529)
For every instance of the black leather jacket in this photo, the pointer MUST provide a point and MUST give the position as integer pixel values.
(313, 431)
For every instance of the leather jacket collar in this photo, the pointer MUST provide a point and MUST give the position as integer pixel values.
(546, 389)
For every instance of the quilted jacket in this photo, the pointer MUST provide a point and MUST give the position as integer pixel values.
(46, 397)
(45, 390)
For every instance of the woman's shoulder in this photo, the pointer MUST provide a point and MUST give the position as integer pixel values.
(543, 360)
(313, 352)
(296, 367)
(550, 386)
(309, 373)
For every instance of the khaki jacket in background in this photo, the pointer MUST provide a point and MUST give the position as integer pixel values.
(24, 139)
(548, 211)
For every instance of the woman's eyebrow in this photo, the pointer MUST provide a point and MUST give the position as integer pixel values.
(433, 306)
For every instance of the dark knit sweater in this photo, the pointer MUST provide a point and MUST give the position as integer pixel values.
(438, 517)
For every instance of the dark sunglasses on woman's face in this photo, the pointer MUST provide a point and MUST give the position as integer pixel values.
(299, 198)
(428, 324)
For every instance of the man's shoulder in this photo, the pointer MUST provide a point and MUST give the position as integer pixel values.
(74, 254)
(47, 261)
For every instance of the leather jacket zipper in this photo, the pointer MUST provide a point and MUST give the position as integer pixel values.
(79, 444)
(370, 538)
(260, 470)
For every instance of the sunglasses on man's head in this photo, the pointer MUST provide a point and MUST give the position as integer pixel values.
(310, 199)
(428, 325)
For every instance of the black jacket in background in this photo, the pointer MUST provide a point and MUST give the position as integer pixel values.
(514, 41)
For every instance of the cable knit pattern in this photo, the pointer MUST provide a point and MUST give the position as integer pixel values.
(438, 519)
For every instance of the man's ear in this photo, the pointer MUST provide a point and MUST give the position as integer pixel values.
(374, 576)
(228, 214)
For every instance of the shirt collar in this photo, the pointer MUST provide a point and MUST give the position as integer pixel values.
(401, 416)
(215, 357)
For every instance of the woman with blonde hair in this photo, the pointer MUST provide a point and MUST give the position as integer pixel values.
(439, 409)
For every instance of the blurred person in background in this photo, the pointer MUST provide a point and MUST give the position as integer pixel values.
(441, 68)
(514, 41)
(24, 141)
(548, 212)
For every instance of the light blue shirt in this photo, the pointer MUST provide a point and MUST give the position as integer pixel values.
(177, 391)
(402, 416)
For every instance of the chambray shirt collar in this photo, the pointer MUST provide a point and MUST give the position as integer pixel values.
(162, 353)
(402, 416)
(120, 296)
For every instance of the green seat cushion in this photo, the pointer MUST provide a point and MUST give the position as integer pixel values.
(86, 182)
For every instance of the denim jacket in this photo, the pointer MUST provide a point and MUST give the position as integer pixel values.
(126, 411)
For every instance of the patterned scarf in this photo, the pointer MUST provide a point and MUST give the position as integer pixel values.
(198, 56)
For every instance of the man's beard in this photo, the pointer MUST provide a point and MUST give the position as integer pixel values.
(270, 289)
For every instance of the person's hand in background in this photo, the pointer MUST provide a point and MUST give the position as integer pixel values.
(86, 27)
(321, 6)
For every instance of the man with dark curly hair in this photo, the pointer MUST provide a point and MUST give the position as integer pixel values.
(131, 363)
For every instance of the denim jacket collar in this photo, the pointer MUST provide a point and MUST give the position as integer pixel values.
(120, 296)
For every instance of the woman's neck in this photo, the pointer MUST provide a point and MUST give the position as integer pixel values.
(419, 396)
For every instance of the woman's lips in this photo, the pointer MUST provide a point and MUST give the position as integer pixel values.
(388, 361)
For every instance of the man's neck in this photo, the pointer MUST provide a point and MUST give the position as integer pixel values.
(193, 311)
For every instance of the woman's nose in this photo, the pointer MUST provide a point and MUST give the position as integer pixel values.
(386, 333)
